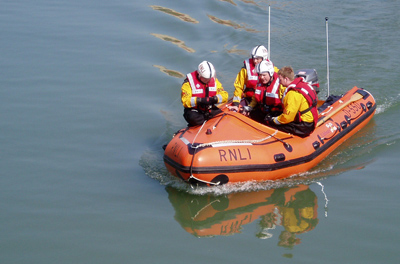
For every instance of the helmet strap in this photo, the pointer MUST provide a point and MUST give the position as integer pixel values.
(209, 66)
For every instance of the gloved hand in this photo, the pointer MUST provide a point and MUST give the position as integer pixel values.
(207, 100)
(269, 120)
(246, 110)
(214, 99)
(233, 108)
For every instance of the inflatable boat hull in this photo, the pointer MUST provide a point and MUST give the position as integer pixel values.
(234, 148)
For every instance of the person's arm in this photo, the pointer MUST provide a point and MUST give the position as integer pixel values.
(186, 96)
(258, 92)
(291, 106)
(239, 86)
(221, 93)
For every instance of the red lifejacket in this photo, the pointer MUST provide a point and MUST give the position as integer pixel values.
(252, 77)
(200, 89)
(268, 97)
(309, 93)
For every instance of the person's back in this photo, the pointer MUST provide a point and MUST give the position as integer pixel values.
(300, 113)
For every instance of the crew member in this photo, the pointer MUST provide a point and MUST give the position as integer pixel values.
(300, 114)
(247, 78)
(200, 91)
(266, 99)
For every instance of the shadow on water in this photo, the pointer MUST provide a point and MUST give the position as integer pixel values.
(171, 73)
(186, 18)
(175, 41)
(181, 16)
(292, 208)
(244, 1)
(231, 24)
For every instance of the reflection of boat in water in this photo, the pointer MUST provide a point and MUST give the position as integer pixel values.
(293, 208)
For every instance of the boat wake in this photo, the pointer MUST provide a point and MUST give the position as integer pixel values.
(388, 104)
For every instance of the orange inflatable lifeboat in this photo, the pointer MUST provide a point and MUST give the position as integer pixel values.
(234, 148)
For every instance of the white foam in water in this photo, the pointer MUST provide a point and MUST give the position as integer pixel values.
(381, 108)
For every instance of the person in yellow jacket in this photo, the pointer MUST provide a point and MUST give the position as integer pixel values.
(200, 91)
(268, 94)
(247, 78)
(299, 99)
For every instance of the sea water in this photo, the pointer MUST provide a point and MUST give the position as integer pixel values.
(90, 92)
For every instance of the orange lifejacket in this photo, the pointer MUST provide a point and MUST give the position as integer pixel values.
(268, 96)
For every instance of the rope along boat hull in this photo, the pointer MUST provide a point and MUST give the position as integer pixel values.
(234, 148)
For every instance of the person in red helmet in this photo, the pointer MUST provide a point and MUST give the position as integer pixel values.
(200, 91)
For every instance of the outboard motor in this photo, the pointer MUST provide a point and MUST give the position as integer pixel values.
(310, 76)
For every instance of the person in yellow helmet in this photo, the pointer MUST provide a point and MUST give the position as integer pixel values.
(200, 91)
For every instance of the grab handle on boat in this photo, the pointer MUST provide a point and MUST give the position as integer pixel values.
(219, 121)
(287, 146)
